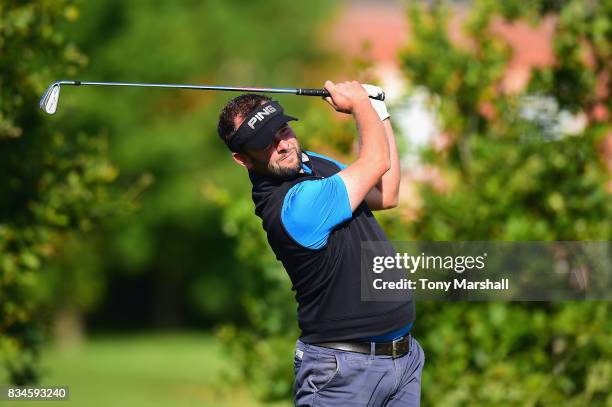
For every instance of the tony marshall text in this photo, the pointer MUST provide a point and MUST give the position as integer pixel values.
(426, 284)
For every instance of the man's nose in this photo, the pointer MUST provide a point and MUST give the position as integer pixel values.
(282, 144)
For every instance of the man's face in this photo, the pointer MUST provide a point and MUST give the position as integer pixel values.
(281, 158)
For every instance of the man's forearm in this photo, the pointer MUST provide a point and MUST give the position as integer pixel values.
(373, 143)
(390, 181)
(385, 193)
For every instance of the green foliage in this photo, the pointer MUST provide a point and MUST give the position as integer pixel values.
(177, 240)
(54, 178)
(512, 176)
(543, 191)
(465, 77)
(550, 187)
(195, 233)
(515, 354)
(582, 43)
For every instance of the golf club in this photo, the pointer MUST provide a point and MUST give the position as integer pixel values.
(49, 101)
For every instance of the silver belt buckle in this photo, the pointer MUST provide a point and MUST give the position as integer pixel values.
(397, 348)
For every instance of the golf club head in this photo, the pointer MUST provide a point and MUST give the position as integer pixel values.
(48, 102)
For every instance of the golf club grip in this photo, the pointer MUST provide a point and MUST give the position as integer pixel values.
(325, 93)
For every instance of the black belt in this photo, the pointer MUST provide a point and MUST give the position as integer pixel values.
(395, 349)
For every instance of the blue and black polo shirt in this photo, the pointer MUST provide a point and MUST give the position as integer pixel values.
(314, 233)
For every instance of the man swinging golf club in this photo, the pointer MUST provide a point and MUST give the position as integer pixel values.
(316, 213)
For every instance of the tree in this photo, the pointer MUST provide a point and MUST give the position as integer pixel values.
(510, 177)
(54, 178)
(512, 174)
(175, 249)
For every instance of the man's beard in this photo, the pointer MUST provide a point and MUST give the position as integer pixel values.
(278, 171)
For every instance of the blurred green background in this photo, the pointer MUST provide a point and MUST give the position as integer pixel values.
(133, 269)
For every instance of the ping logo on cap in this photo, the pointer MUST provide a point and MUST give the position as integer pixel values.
(259, 116)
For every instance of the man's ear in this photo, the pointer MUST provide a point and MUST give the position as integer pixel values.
(243, 160)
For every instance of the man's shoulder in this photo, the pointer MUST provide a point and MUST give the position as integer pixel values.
(325, 158)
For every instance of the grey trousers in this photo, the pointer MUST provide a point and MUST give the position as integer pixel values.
(329, 377)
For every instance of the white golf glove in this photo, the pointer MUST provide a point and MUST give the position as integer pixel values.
(378, 105)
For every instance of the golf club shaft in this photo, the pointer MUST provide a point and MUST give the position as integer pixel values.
(293, 91)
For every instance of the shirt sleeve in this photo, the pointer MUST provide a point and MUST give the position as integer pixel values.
(313, 208)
